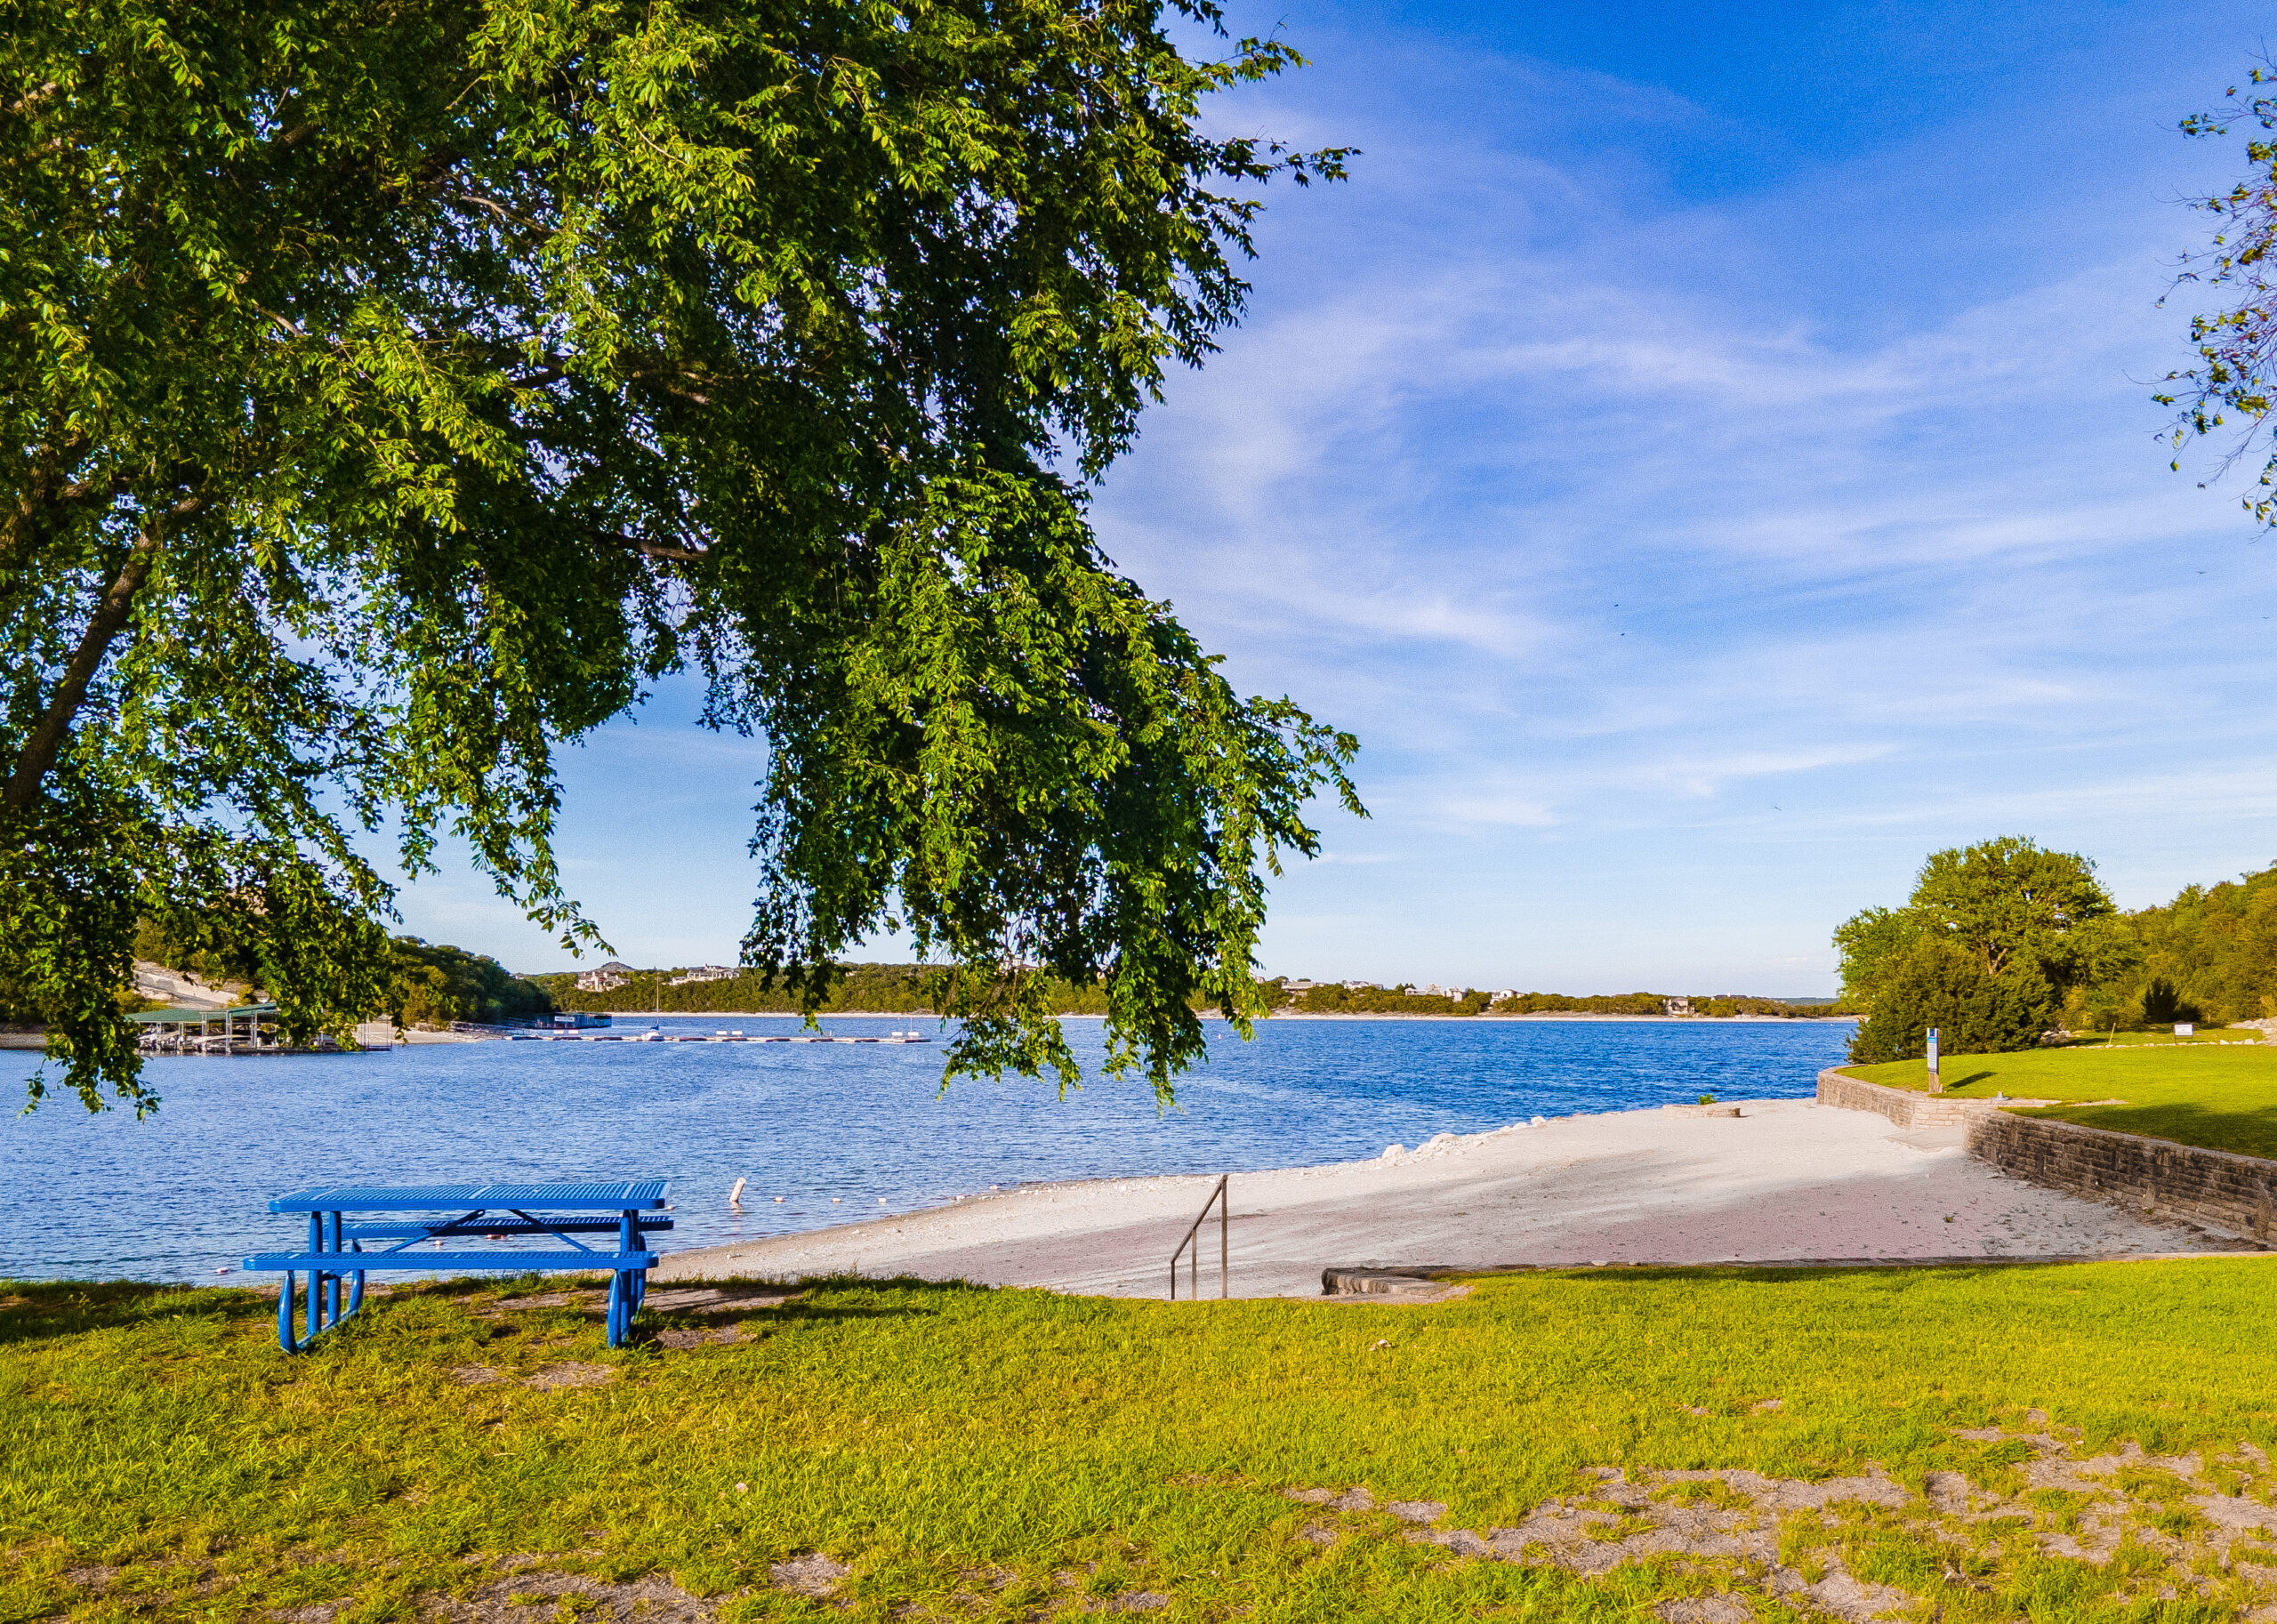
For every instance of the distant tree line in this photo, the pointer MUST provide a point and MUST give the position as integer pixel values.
(2208, 955)
(435, 986)
(1332, 998)
(859, 989)
(1335, 998)
(911, 989)
(2002, 944)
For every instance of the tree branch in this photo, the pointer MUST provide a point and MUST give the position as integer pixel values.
(31, 99)
(109, 619)
(654, 550)
(21, 524)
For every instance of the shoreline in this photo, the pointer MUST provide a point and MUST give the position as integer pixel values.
(1278, 1015)
(1778, 1181)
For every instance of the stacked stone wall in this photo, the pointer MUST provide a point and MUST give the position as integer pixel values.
(2214, 1189)
(1902, 1106)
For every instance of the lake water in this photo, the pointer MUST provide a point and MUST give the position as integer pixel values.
(184, 1193)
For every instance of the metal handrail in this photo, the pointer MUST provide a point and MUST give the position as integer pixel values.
(1193, 1233)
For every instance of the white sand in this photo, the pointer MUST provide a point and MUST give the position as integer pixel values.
(1788, 1180)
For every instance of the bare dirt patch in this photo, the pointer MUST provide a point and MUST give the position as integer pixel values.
(472, 1375)
(687, 1338)
(2208, 1525)
(546, 1299)
(569, 1373)
(584, 1299)
(812, 1574)
(539, 1598)
(718, 1299)
(1705, 1610)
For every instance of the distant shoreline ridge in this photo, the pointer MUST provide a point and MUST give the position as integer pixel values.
(1277, 1015)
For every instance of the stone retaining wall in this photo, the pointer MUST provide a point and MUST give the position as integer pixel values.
(1902, 1106)
(2214, 1189)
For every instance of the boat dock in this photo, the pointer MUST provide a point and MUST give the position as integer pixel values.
(241, 1029)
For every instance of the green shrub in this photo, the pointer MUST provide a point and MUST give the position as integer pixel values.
(2162, 1005)
(1936, 983)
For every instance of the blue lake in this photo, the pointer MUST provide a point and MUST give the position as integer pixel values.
(182, 1193)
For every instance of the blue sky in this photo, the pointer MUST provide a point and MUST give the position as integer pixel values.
(1706, 455)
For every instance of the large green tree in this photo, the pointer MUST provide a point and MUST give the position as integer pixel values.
(394, 391)
(2010, 904)
(1984, 948)
(1940, 985)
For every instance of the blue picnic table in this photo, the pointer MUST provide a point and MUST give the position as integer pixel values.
(335, 1250)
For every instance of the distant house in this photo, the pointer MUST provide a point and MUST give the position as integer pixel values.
(1676, 1006)
(704, 972)
(1358, 987)
(605, 978)
(1504, 996)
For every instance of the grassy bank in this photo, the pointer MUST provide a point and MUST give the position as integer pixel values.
(989, 1454)
(2224, 1098)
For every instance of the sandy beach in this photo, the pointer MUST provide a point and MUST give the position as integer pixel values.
(1785, 1180)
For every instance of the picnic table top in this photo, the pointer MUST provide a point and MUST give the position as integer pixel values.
(613, 1194)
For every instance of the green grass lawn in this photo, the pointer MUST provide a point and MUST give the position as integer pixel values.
(1003, 1455)
(2224, 1099)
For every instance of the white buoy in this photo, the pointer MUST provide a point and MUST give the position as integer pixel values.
(881, 1201)
(779, 1201)
(736, 1196)
(834, 1201)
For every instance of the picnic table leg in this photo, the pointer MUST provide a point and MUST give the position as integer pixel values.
(355, 1286)
(628, 1239)
(316, 1276)
(332, 1281)
(284, 1315)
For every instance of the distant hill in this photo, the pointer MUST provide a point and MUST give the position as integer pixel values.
(902, 989)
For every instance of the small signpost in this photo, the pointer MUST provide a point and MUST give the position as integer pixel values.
(1936, 1083)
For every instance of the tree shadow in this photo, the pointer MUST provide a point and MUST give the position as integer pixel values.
(38, 1310)
(2245, 1130)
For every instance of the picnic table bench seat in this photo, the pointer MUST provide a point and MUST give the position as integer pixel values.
(335, 1251)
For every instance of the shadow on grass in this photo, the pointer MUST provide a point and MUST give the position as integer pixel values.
(34, 1310)
(1629, 1277)
(2246, 1133)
